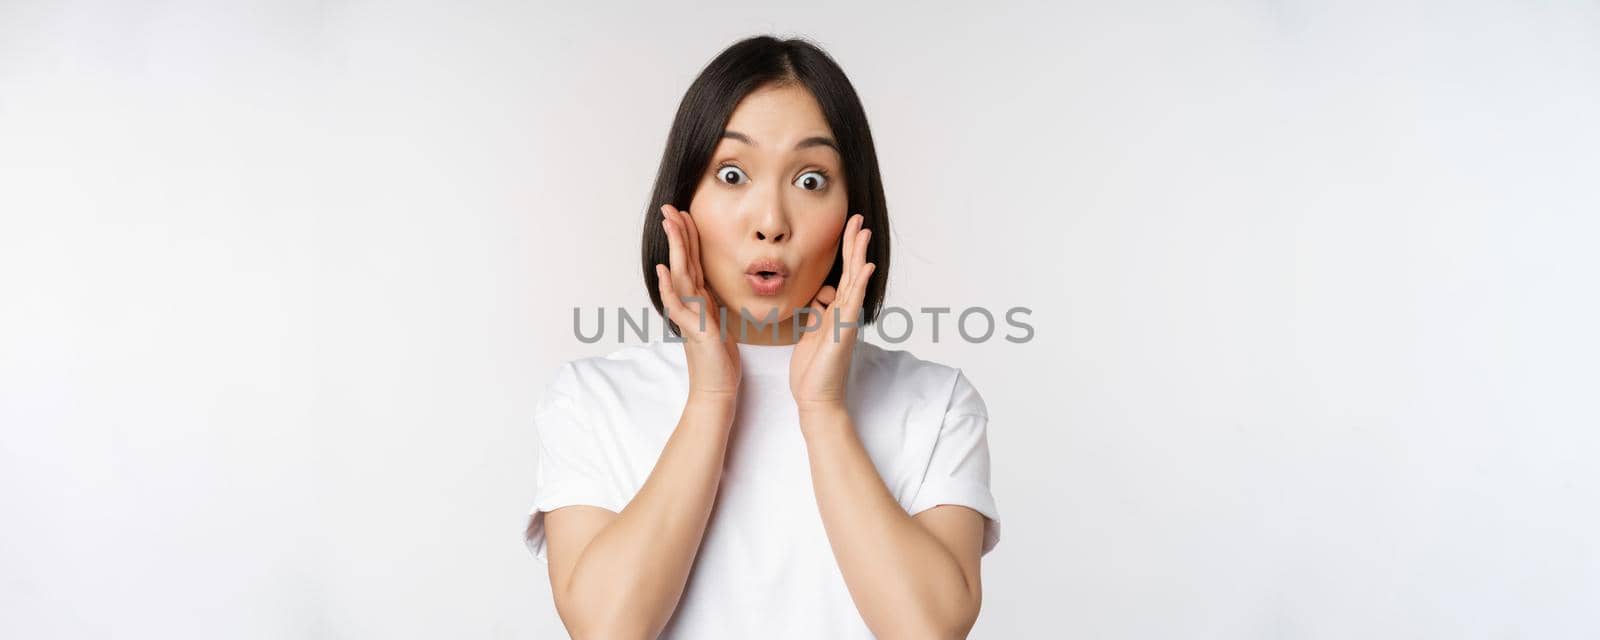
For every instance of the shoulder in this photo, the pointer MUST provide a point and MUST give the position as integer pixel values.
(902, 372)
(610, 375)
(634, 359)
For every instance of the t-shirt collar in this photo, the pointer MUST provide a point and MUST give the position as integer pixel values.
(765, 359)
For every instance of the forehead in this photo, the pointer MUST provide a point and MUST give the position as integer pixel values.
(779, 115)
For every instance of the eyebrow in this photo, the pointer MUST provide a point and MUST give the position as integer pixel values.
(813, 141)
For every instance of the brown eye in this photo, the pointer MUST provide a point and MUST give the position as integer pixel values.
(732, 175)
(812, 181)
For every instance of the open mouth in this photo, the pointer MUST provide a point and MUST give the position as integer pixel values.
(766, 276)
(767, 268)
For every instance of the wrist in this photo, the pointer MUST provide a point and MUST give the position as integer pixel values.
(713, 397)
(710, 408)
(821, 409)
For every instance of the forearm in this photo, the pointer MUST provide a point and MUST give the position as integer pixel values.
(903, 580)
(627, 581)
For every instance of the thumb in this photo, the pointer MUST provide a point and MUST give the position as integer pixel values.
(813, 310)
(825, 294)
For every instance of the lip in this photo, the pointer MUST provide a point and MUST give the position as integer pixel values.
(771, 284)
(767, 264)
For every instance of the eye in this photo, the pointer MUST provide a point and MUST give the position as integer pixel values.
(812, 180)
(732, 175)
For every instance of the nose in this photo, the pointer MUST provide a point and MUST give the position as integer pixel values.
(763, 235)
(771, 218)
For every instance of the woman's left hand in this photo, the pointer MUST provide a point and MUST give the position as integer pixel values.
(820, 366)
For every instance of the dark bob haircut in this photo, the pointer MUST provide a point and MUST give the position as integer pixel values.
(748, 65)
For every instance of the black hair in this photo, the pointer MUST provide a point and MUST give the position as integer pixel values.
(745, 66)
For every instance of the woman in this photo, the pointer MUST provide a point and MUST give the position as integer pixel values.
(767, 475)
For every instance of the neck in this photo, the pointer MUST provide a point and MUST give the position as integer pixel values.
(765, 359)
(783, 332)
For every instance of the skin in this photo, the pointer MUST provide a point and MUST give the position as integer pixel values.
(620, 575)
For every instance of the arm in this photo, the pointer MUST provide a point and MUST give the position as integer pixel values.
(910, 577)
(619, 575)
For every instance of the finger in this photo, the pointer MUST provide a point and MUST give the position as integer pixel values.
(860, 258)
(687, 319)
(850, 305)
(669, 297)
(846, 248)
(850, 299)
(847, 280)
(680, 228)
(860, 295)
(675, 253)
(696, 269)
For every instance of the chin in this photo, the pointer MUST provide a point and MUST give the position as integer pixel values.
(760, 308)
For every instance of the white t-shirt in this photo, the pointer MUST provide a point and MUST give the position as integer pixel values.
(764, 568)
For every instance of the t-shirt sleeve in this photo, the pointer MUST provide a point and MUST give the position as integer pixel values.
(572, 468)
(958, 470)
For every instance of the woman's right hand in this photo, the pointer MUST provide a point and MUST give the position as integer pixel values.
(713, 358)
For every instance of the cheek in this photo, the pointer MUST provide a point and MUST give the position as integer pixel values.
(714, 218)
(823, 250)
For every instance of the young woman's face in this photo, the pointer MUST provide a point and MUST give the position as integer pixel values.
(771, 207)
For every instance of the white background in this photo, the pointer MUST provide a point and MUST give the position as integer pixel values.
(1313, 287)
